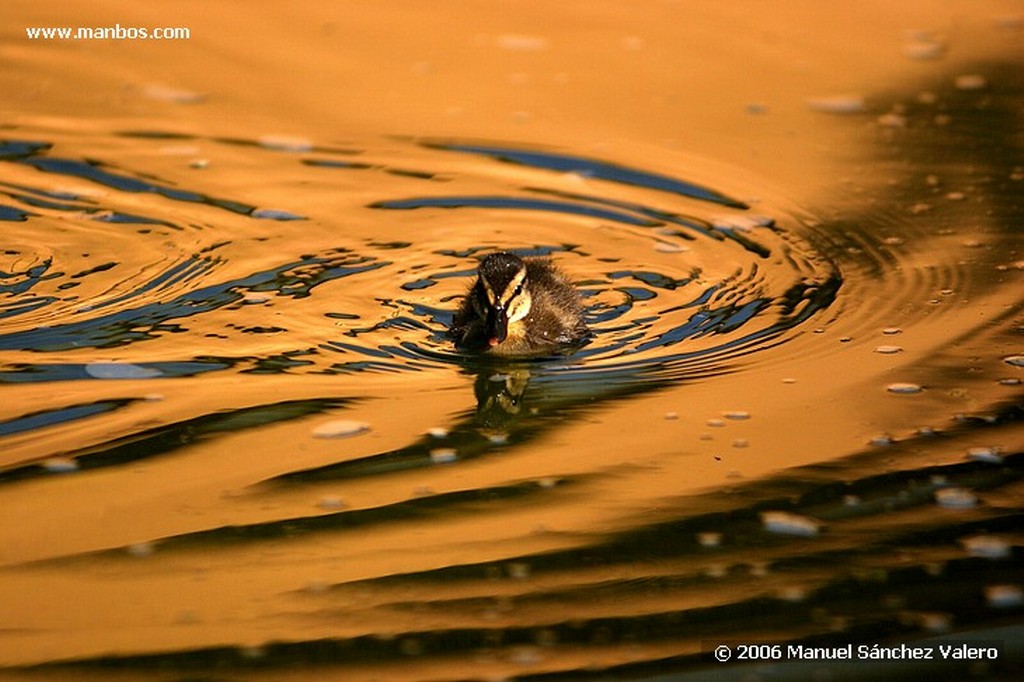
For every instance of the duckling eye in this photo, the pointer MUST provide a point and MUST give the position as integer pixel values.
(517, 291)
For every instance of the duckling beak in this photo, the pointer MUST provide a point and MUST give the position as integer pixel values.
(497, 326)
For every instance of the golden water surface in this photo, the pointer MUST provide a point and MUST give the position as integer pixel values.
(236, 443)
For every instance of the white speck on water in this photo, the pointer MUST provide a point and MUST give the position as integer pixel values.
(956, 196)
(275, 214)
(60, 465)
(793, 593)
(1015, 360)
(788, 523)
(1012, 381)
(165, 93)
(838, 104)
(340, 428)
(199, 164)
(919, 208)
(888, 350)
(671, 416)
(741, 443)
(881, 440)
(986, 546)
(331, 503)
(709, 539)
(970, 81)
(519, 570)
(891, 120)
(956, 498)
(788, 380)
(990, 455)
(153, 397)
(715, 422)
(437, 432)
(141, 549)
(254, 298)
(120, 370)
(286, 143)
(518, 42)
(935, 622)
(443, 455)
(1004, 596)
(742, 223)
(736, 415)
(889, 331)
(923, 46)
(498, 438)
(900, 388)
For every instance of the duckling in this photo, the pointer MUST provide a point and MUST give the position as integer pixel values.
(519, 306)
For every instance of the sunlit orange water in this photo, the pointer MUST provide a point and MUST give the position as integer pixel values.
(238, 443)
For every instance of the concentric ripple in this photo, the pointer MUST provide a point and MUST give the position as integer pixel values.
(678, 278)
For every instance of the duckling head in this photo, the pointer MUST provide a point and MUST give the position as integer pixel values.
(502, 298)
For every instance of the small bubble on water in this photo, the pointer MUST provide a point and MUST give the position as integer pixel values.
(709, 539)
(286, 143)
(788, 523)
(987, 547)
(60, 465)
(275, 214)
(924, 47)
(141, 549)
(956, 498)
(838, 104)
(881, 440)
(1015, 360)
(793, 594)
(736, 415)
(443, 455)
(1004, 596)
(165, 93)
(956, 196)
(935, 622)
(990, 455)
(518, 42)
(340, 428)
(437, 432)
(901, 388)
(888, 350)
(741, 443)
(520, 570)
(254, 298)
(1010, 382)
(970, 81)
(889, 331)
(331, 503)
(671, 416)
(199, 164)
(715, 422)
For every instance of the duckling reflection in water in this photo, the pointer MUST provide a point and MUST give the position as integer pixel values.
(519, 307)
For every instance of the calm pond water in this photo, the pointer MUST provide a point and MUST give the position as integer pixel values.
(237, 444)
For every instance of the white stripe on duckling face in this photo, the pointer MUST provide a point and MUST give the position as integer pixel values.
(516, 299)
